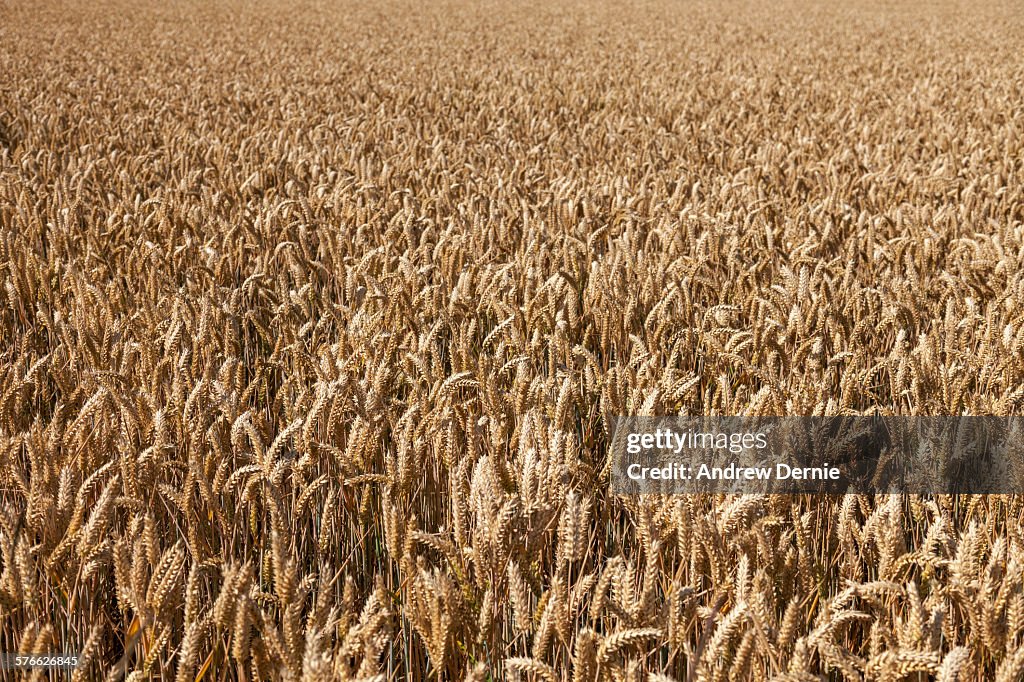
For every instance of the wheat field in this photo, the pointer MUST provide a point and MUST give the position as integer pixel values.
(315, 316)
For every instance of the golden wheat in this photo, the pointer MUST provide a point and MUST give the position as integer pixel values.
(315, 317)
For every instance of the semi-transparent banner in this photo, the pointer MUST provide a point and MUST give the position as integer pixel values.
(927, 455)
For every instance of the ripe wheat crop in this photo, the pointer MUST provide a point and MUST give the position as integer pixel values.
(314, 317)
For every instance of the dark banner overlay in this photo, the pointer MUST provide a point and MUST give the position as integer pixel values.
(925, 455)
